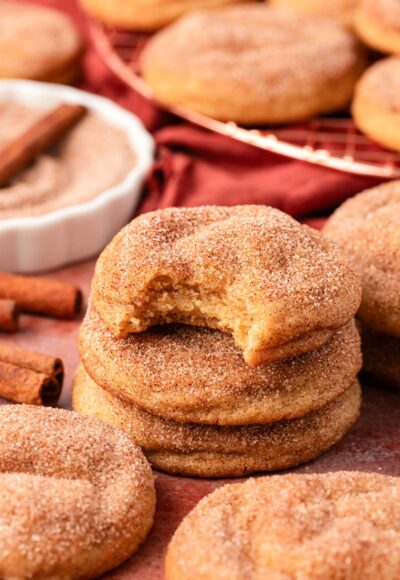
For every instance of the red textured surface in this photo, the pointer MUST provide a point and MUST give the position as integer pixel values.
(372, 445)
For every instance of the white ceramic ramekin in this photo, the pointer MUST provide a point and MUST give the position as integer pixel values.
(76, 232)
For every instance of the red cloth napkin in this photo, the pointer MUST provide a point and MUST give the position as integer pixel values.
(196, 167)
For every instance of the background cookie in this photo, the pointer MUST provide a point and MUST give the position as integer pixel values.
(377, 22)
(340, 10)
(367, 227)
(147, 15)
(38, 43)
(381, 355)
(212, 451)
(265, 66)
(313, 527)
(376, 103)
(198, 375)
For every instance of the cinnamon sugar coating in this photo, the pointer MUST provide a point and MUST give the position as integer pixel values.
(367, 227)
(76, 496)
(27, 43)
(147, 15)
(381, 354)
(215, 451)
(377, 22)
(254, 65)
(279, 288)
(336, 526)
(340, 10)
(376, 104)
(198, 375)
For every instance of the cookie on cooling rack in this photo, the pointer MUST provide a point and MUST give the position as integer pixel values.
(38, 43)
(313, 527)
(376, 104)
(147, 15)
(253, 65)
(377, 22)
(340, 10)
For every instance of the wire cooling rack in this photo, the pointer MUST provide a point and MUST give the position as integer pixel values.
(332, 142)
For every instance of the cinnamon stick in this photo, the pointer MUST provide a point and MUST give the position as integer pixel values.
(9, 314)
(30, 377)
(22, 150)
(41, 295)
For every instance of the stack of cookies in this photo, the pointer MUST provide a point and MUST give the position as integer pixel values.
(222, 340)
(368, 229)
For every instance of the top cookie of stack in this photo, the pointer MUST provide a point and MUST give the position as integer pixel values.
(287, 297)
(278, 287)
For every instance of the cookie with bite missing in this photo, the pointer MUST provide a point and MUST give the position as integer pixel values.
(279, 288)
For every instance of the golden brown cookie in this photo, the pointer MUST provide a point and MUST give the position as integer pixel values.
(38, 43)
(147, 15)
(381, 354)
(336, 526)
(279, 288)
(77, 497)
(376, 104)
(367, 227)
(377, 22)
(198, 375)
(340, 10)
(213, 451)
(254, 65)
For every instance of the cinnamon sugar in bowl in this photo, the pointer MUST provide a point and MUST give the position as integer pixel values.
(68, 204)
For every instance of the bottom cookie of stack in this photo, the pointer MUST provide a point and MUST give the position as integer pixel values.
(215, 451)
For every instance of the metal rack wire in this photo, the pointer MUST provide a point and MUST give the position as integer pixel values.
(332, 142)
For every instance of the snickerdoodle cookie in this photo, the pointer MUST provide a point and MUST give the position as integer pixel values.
(367, 227)
(38, 43)
(336, 526)
(377, 22)
(214, 451)
(253, 65)
(341, 10)
(198, 375)
(147, 15)
(381, 354)
(278, 287)
(376, 104)
(77, 497)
